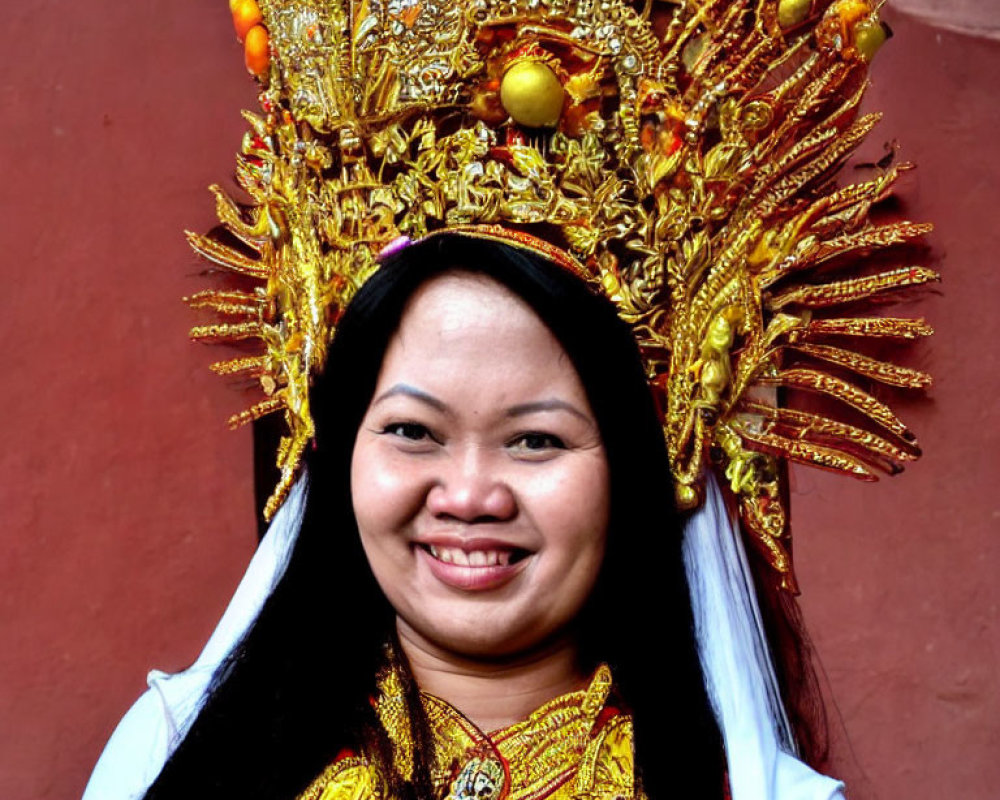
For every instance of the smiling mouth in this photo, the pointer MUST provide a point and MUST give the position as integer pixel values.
(475, 558)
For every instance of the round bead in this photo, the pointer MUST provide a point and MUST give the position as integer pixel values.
(532, 94)
(869, 36)
(686, 497)
(246, 14)
(792, 12)
(256, 50)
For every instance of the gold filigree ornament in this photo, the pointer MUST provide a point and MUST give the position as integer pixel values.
(681, 155)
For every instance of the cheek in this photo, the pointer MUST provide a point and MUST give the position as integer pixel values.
(384, 496)
(577, 501)
(573, 510)
(378, 477)
(593, 512)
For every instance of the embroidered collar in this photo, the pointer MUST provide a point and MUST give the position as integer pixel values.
(578, 745)
(528, 760)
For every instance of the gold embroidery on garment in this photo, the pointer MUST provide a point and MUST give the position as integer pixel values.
(571, 747)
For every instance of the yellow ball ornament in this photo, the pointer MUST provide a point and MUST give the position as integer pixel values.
(792, 12)
(869, 36)
(686, 498)
(532, 94)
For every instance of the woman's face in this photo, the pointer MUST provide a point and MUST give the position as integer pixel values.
(479, 479)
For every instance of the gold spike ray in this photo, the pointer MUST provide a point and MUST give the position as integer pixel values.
(805, 453)
(227, 257)
(853, 289)
(789, 185)
(869, 327)
(230, 303)
(255, 236)
(255, 412)
(881, 371)
(815, 381)
(796, 424)
(249, 365)
(852, 202)
(232, 333)
(882, 236)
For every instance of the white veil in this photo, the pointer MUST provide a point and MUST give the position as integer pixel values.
(739, 674)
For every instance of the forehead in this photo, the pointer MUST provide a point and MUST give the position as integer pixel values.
(457, 299)
(469, 328)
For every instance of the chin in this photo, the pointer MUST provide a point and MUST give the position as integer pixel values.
(471, 642)
(482, 646)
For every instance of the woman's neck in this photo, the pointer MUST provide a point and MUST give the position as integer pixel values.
(493, 694)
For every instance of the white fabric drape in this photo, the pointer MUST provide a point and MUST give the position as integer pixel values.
(736, 661)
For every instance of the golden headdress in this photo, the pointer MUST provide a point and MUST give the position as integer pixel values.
(679, 154)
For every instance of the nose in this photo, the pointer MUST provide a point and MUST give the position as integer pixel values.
(471, 489)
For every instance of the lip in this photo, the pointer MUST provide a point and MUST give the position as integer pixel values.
(468, 578)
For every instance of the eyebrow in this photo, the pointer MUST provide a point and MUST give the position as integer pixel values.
(417, 394)
(520, 410)
(548, 405)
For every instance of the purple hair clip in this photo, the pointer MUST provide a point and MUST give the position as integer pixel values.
(397, 244)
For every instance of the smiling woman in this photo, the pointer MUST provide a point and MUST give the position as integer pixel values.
(528, 276)
(500, 406)
(480, 486)
(482, 532)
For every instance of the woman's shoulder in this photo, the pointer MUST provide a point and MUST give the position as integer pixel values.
(349, 777)
(607, 768)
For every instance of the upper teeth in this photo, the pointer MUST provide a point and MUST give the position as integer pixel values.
(473, 558)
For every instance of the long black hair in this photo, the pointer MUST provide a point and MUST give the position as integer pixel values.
(296, 691)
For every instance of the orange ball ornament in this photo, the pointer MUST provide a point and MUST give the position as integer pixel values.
(256, 50)
(246, 15)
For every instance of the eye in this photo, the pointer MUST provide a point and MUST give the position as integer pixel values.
(413, 431)
(535, 442)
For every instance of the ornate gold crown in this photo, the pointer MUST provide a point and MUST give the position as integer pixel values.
(680, 154)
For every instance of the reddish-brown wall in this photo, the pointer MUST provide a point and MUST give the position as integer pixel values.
(126, 507)
(900, 579)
